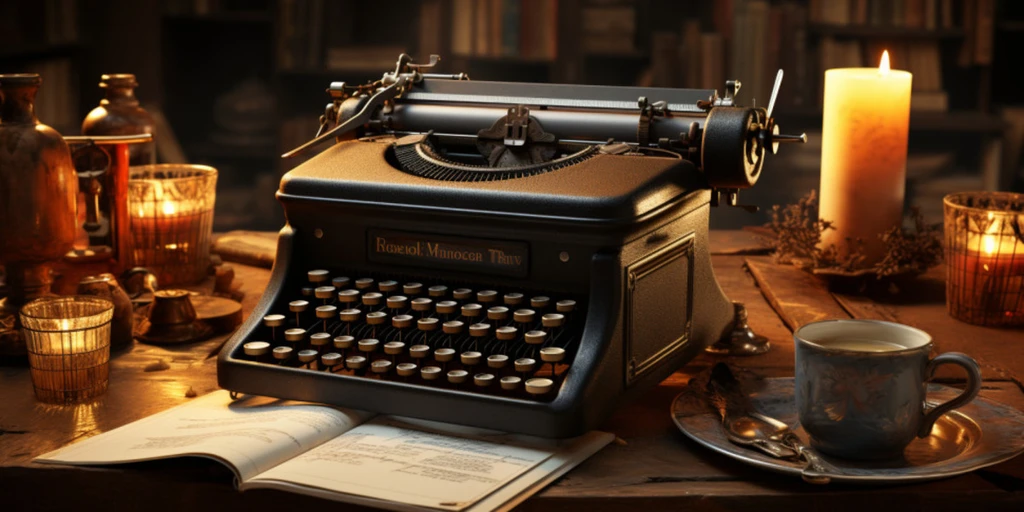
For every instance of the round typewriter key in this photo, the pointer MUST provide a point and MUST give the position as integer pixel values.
(324, 292)
(472, 310)
(298, 306)
(506, 333)
(401, 321)
(447, 307)
(552, 354)
(394, 347)
(497, 313)
(282, 353)
(552, 320)
(513, 299)
(412, 288)
(540, 302)
(294, 335)
(470, 358)
(462, 293)
(327, 311)
(427, 324)
(319, 339)
(452, 327)
(510, 383)
(524, 316)
(406, 369)
(443, 355)
(419, 351)
(380, 366)
(437, 291)
(497, 361)
(372, 298)
(487, 296)
(479, 330)
(350, 315)
(398, 302)
(376, 317)
(341, 282)
(457, 376)
(331, 359)
(430, 372)
(355, 362)
(318, 276)
(483, 379)
(387, 286)
(364, 283)
(344, 342)
(525, 365)
(256, 348)
(273, 320)
(539, 386)
(535, 337)
(307, 291)
(565, 306)
(368, 345)
(348, 296)
(422, 304)
(307, 356)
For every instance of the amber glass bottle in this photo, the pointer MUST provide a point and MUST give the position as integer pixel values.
(119, 113)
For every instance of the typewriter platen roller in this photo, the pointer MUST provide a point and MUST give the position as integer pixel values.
(504, 255)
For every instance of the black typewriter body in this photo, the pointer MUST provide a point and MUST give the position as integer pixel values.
(427, 280)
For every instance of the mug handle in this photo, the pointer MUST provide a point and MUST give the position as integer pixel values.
(973, 386)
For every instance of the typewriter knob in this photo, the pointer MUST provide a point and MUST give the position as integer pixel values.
(540, 302)
(393, 348)
(472, 310)
(513, 299)
(256, 348)
(406, 369)
(401, 321)
(422, 304)
(447, 307)
(443, 355)
(510, 383)
(364, 283)
(355, 362)
(307, 356)
(525, 365)
(506, 333)
(730, 155)
(524, 316)
(487, 296)
(387, 286)
(380, 366)
(325, 312)
(295, 335)
(483, 379)
(331, 359)
(539, 386)
(536, 337)
(376, 318)
(412, 288)
(457, 376)
(552, 354)
(368, 345)
(323, 292)
(298, 306)
(273, 320)
(497, 360)
(419, 351)
(462, 294)
(552, 320)
(319, 339)
(350, 315)
(430, 372)
(479, 330)
(282, 353)
(470, 358)
(497, 313)
(372, 298)
(348, 296)
(317, 276)
(427, 324)
(452, 327)
(344, 342)
(307, 291)
(565, 306)
(437, 291)
(398, 302)
(341, 282)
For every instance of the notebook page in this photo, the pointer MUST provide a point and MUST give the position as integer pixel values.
(252, 435)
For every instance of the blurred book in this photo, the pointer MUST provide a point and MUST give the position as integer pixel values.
(363, 58)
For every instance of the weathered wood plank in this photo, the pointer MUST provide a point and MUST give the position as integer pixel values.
(797, 296)
(256, 248)
(732, 242)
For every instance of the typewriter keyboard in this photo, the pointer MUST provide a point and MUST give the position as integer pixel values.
(501, 342)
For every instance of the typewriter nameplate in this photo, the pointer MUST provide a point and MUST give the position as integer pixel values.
(455, 253)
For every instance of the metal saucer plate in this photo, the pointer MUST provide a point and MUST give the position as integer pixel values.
(980, 434)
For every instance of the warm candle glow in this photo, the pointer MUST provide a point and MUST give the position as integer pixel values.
(169, 208)
(883, 67)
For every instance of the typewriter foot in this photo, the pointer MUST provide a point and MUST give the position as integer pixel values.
(233, 395)
(742, 341)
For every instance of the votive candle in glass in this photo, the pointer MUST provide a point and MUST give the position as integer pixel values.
(171, 220)
(68, 340)
(985, 257)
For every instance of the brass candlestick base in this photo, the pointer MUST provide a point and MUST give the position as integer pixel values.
(173, 320)
(742, 341)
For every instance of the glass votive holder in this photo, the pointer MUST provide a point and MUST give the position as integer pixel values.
(68, 340)
(985, 257)
(171, 220)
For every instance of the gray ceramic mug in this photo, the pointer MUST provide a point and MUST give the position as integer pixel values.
(860, 386)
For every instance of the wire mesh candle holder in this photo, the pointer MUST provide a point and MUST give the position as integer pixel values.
(68, 341)
(985, 257)
(171, 220)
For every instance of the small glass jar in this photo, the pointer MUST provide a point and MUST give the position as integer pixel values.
(985, 257)
(171, 219)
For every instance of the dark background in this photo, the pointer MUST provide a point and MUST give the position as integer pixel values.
(239, 82)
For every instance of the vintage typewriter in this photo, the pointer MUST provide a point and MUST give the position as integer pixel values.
(505, 255)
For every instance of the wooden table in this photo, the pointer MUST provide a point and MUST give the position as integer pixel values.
(653, 466)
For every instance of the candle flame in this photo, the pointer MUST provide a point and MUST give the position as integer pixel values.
(883, 67)
(65, 325)
(169, 208)
(989, 243)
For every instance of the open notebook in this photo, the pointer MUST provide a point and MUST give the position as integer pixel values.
(344, 455)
